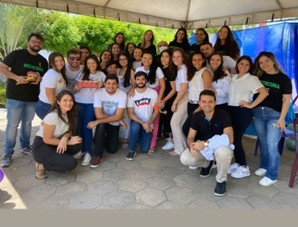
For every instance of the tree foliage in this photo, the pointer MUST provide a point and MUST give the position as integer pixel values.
(15, 23)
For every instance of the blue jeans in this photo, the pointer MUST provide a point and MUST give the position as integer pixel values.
(42, 109)
(269, 136)
(18, 111)
(85, 115)
(138, 134)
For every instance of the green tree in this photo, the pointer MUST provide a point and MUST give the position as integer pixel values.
(15, 23)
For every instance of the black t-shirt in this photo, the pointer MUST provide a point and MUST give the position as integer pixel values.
(168, 78)
(21, 62)
(277, 85)
(207, 128)
(184, 46)
(151, 48)
(195, 48)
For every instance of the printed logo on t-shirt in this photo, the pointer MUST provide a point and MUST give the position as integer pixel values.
(270, 84)
(33, 67)
(143, 102)
(109, 107)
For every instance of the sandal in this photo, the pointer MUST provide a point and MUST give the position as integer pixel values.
(151, 150)
(40, 171)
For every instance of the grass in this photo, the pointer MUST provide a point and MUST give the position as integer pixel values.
(2, 95)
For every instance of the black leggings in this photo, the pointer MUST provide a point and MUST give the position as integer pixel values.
(241, 118)
(51, 160)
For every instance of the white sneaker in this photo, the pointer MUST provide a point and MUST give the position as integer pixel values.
(265, 181)
(86, 160)
(260, 172)
(193, 167)
(79, 155)
(233, 167)
(168, 146)
(241, 172)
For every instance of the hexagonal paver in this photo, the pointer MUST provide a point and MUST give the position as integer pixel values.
(131, 185)
(55, 178)
(85, 201)
(151, 163)
(230, 203)
(101, 187)
(262, 202)
(89, 176)
(118, 199)
(159, 182)
(151, 197)
(115, 174)
(181, 195)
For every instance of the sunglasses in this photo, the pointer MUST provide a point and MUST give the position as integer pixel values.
(72, 59)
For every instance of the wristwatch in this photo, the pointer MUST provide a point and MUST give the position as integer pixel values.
(206, 143)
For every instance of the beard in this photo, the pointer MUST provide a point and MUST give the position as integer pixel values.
(34, 49)
(141, 85)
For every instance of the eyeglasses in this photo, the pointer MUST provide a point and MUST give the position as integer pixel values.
(72, 59)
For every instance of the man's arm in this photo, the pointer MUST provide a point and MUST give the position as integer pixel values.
(4, 70)
(229, 132)
(132, 115)
(102, 118)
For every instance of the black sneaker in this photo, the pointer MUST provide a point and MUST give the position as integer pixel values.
(131, 156)
(205, 172)
(220, 189)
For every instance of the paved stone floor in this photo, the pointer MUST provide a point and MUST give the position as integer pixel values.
(158, 181)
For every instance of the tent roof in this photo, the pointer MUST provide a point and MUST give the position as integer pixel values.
(175, 13)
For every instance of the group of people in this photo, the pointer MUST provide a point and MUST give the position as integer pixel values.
(200, 97)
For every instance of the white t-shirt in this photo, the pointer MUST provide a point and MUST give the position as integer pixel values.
(159, 75)
(51, 79)
(121, 82)
(85, 95)
(196, 85)
(72, 76)
(53, 119)
(136, 64)
(143, 103)
(243, 88)
(110, 103)
(222, 87)
(181, 77)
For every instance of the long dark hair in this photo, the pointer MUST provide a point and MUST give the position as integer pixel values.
(52, 57)
(71, 115)
(248, 58)
(206, 40)
(232, 47)
(191, 70)
(86, 70)
(122, 45)
(172, 70)
(126, 81)
(151, 77)
(218, 73)
(185, 40)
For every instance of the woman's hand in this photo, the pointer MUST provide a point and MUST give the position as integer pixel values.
(243, 103)
(280, 124)
(62, 146)
(174, 107)
(131, 92)
(74, 140)
(161, 104)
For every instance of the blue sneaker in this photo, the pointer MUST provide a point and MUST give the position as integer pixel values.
(26, 150)
(6, 161)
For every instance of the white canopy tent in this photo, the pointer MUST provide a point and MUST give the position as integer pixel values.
(175, 13)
